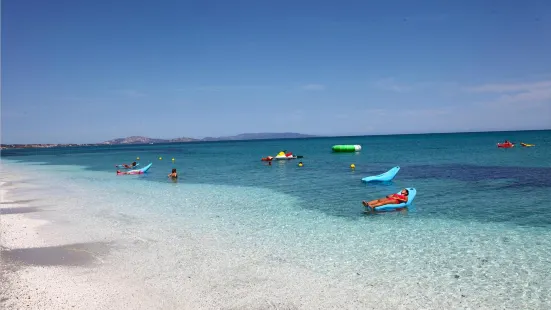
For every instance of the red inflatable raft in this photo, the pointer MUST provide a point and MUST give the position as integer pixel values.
(505, 145)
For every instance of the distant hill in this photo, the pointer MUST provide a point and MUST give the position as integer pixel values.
(243, 136)
(262, 135)
(182, 139)
(135, 140)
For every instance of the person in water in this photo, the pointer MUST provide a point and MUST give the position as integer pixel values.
(390, 199)
(130, 166)
(173, 174)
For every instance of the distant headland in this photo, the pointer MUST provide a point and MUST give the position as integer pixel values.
(147, 140)
(243, 136)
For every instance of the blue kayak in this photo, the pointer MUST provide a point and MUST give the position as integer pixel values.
(136, 171)
(144, 169)
(393, 207)
(383, 177)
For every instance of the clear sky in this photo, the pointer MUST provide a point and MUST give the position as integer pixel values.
(89, 71)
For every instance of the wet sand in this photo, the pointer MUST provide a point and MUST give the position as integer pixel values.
(82, 254)
(19, 210)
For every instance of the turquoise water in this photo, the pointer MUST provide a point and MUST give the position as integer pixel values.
(458, 176)
(479, 229)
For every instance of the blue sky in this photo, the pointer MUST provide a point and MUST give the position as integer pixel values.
(89, 71)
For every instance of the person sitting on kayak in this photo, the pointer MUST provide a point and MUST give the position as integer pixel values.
(127, 166)
(390, 199)
(173, 174)
(130, 166)
(122, 172)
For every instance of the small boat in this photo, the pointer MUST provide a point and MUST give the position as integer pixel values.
(505, 145)
(526, 144)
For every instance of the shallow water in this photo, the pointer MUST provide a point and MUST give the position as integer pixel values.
(478, 233)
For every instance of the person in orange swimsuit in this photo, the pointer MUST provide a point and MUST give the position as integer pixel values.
(390, 199)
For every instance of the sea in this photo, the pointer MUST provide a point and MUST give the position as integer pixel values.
(477, 235)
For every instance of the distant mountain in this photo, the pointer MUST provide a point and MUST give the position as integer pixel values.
(182, 139)
(243, 136)
(135, 140)
(262, 135)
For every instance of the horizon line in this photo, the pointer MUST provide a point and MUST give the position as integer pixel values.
(312, 136)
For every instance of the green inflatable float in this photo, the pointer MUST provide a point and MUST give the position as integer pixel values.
(347, 148)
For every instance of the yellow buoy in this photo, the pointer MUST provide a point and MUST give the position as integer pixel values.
(160, 158)
(300, 164)
(173, 159)
(137, 158)
(352, 166)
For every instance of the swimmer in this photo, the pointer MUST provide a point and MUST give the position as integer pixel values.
(390, 199)
(173, 174)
